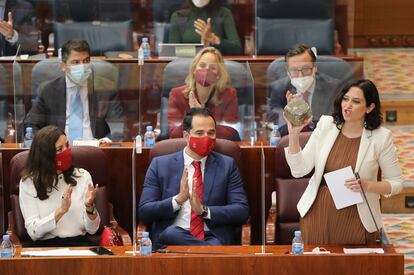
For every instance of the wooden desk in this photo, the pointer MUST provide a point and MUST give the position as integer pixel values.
(120, 185)
(239, 260)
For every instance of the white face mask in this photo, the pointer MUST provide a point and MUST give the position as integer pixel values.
(302, 84)
(200, 3)
(79, 73)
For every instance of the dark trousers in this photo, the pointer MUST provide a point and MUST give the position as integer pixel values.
(174, 235)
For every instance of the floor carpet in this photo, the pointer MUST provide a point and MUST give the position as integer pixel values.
(399, 230)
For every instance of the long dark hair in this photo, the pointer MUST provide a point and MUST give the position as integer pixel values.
(373, 119)
(40, 165)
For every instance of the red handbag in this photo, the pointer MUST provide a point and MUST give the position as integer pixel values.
(110, 237)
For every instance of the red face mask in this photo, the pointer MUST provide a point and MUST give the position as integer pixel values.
(205, 77)
(63, 160)
(202, 146)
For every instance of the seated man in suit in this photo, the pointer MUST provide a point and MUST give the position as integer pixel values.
(8, 35)
(71, 103)
(195, 196)
(317, 88)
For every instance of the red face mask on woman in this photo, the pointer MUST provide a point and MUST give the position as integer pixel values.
(205, 77)
(63, 160)
(202, 146)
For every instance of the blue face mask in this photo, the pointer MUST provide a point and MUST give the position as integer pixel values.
(79, 73)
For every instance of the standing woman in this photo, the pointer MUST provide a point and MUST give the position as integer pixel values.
(206, 22)
(57, 200)
(352, 136)
(207, 86)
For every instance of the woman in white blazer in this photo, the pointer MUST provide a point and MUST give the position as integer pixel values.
(352, 136)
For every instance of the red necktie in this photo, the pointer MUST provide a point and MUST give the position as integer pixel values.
(197, 222)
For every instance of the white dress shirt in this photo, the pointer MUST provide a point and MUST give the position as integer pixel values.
(183, 218)
(71, 89)
(39, 215)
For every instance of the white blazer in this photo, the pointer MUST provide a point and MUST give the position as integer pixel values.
(376, 150)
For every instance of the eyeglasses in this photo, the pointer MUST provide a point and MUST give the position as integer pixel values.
(304, 71)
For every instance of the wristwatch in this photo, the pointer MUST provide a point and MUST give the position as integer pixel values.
(204, 213)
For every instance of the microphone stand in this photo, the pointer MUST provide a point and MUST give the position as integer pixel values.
(263, 205)
(369, 207)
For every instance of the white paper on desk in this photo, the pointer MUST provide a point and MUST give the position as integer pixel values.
(363, 251)
(342, 196)
(57, 252)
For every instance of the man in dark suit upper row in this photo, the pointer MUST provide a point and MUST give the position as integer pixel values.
(317, 88)
(73, 103)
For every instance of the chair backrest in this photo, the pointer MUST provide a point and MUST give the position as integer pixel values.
(288, 192)
(169, 146)
(222, 131)
(281, 24)
(90, 158)
(330, 65)
(91, 10)
(177, 70)
(101, 36)
(49, 69)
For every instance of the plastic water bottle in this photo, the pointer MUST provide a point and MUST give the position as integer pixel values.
(146, 48)
(149, 137)
(28, 137)
(145, 246)
(297, 243)
(6, 248)
(274, 136)
(140, 56)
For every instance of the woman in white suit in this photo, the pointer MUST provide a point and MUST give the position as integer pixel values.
(352, 136)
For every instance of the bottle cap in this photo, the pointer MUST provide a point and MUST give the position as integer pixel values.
(6, 237)
(149, 128)
(275, 127)
(145, 234)
(29, 129)
(298, 233)
(145, 39)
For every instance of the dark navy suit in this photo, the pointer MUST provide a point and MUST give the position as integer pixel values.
(223, 193)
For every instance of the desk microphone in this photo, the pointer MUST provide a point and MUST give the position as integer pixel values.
(369, 207)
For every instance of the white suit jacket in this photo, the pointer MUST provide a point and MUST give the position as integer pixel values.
(376, 150)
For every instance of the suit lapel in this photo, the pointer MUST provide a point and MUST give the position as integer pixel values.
(91, 105)
(178, 169)
(327, 145)
(209, 175)
(363, 148)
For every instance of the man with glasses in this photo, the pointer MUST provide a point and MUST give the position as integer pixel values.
(317, 88)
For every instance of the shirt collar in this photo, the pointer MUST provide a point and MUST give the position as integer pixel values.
(189, 160)
(71, 84)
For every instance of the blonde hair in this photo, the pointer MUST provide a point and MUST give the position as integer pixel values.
(223, 80)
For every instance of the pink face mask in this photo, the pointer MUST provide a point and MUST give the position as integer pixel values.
(202, 146)
(205, 77)
(63, 160)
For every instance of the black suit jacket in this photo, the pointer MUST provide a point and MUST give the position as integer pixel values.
(326, 88)
(50, 109)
